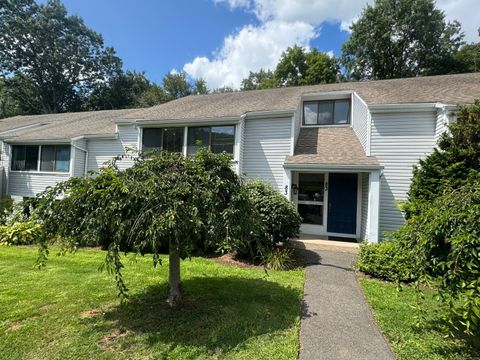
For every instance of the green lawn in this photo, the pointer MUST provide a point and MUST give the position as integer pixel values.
(395, 316)
(70, 310)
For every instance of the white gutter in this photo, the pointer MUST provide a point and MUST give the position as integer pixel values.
(339, 167)
(420, 107)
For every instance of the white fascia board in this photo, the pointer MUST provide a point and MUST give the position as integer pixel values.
(269, 114)
(334, 167)
(96, 137)
(327, 95)
(190, 122)
(38, 142)
(413, 107)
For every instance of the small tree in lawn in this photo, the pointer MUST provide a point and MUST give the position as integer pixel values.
(164, 199)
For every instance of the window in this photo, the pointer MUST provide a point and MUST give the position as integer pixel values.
(54, 158)
(215, 138)
(25, 157)
(331, 112)
(170, 139)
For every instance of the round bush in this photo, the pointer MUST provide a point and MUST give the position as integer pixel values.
(277, 220)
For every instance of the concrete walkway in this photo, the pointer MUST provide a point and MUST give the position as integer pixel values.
(336, 321)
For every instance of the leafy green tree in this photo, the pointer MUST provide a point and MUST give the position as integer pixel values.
(122, 91)
(300, 67)
(200, 87)
(154, 95)
(8, 105)
(163, 199)
(176, 85)
(57, 53)
(401, 38)
(456, 159)
(223, 89)
(468, 57)
(263, 79)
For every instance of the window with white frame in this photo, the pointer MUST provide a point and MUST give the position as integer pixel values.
(48, 158)
(326, 112)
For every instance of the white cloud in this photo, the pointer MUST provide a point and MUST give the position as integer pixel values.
(284, 23)
(465, 11)
(251, 49)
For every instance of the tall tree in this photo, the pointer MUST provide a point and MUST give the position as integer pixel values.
(8, 105)
(468, 57)
(57, 53)
(401, 38)
(292, 66)
(200, 87)
(176, 85)
(122, 91)
(263, 79)
(154, 95)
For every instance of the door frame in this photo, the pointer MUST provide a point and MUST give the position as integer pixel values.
(322, 229)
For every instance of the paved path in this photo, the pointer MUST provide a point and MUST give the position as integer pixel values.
(336, 321)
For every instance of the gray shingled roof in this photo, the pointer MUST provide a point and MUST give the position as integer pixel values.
(62, 126)
(449, 89)
(329, 145)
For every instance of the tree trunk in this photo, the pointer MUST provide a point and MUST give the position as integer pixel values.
(175, 299)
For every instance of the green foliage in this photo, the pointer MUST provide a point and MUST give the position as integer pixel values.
(401, 38)
(21, 233)
(55, 56)
(456, 160)
(6, 207)
(200, 87)
(162, 200)
(263, 79)
(444, 237)
(300, 67)
(468, 57)
(176, 85)
(276, 220)
(280, 258)
(386, 260)
(124, 90)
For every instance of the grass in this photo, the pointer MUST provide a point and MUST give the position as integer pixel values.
(395, 315)
(70, 310)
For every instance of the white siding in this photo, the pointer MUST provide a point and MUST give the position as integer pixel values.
(398, 141)
(267, 142)
(23, 184)
(364, 216)
(102, 150)
(360, 121)
(440, 124)
(241, 127)
(79, 158)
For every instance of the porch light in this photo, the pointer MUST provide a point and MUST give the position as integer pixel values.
(294, 189)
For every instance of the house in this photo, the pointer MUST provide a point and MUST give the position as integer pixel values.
(343, 153)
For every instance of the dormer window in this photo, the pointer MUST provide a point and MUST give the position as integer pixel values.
(326, 112)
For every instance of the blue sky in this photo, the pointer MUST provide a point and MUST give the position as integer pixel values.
(221, 40)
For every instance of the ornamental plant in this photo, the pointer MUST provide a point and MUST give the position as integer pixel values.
(164, 198)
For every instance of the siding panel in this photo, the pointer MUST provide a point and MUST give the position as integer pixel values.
(360, 121)
(29, 184)
(266, 144)
(398, 141)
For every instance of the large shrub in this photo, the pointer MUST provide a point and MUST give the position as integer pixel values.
(386, 260)
(444, 238)
(21, 233)
(276, 220)
(456, 159)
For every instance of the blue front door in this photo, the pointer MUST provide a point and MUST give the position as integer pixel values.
(342, 203)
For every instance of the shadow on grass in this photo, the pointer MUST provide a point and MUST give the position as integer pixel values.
(219, 313)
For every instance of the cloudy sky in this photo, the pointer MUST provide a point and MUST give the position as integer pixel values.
(222, 40)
